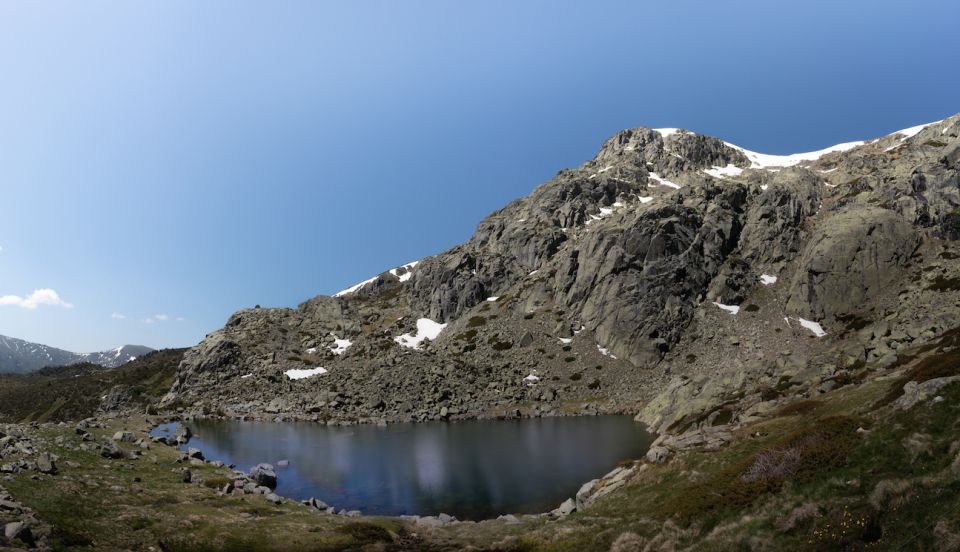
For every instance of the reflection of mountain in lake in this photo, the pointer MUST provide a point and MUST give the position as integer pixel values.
(473, 470)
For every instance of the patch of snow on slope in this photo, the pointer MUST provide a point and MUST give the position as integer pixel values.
(605, 352)
(298, 374)
(354, 287)
(493, 298)
(908, 133)
(663, 182)
(767, 279)
(426, 329)
(813, 327)
(340, 345)
(565, 340)
(664, 132)
(732, 309)
(644, 199)
(531, 379)
(408, 271)
(765, 160)
(723, 172)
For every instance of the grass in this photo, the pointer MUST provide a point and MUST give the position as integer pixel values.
(99, 505)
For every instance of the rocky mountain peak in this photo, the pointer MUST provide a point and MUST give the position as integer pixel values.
(670, 254)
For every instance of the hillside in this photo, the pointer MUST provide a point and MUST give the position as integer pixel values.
(675, 275)
(78, 391)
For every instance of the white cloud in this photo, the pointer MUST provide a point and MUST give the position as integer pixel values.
(162, 317)
(118, 316)
(44, 296)
(147, 320)
(180, 319)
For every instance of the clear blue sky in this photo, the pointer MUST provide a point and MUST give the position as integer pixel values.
(192, 158)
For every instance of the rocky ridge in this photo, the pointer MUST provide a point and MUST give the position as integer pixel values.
(674, 275)
(18, 356)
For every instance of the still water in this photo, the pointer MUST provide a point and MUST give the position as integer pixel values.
(473, 470)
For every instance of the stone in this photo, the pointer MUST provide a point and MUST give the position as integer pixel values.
(271, 497)
(124, 436)
(567, 507)
(658, 454)
(584, 493)
(186, 475)
(18, 530)
(264, 475)
(914, 393)
(194, 453)
(45, 464)
(109, 449)
(10, 506)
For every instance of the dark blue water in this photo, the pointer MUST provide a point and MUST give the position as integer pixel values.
(473, 470)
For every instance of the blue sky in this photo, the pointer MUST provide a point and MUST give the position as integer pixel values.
(188, 159)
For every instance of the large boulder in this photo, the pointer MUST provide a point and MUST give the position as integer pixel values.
(264, 475)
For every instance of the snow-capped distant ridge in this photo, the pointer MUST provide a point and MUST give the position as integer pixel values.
(18, 356)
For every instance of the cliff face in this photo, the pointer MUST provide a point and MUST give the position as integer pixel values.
(613, 287)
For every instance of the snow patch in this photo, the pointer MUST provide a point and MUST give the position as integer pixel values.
(764, 187)
(340, 345)
(732, 309)
(354, 287)
(300, 373)
(426, 329)
(245, 376)
(767, 279)
(908, 133)
(408, 271)
(532, 378)
(664, 132)
(492, 299)
(765, 160)
(565, 340)
(663, 181)
(723, 172)
(812, 326)
(605, 352)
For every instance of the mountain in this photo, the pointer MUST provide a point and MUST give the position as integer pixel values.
(116, 357)
(19, 356)
(674, 275)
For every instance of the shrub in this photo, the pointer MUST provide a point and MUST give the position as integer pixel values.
(365, 532)
(476, 321)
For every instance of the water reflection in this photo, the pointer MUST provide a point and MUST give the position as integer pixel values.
(473, 470)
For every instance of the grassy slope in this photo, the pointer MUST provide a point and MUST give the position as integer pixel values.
(97, 504)
(866, 476)
(74, 392)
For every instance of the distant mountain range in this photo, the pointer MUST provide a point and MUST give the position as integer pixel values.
(18, 356)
